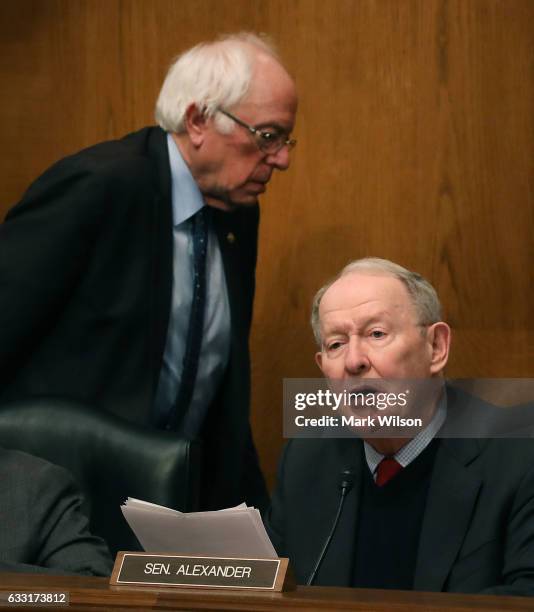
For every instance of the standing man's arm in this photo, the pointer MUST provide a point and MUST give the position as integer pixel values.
(44, 245)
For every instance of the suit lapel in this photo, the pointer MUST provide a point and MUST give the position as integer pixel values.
(162, 252)
(451, 497)
(237, 234)
(228, 427)
(226, 235)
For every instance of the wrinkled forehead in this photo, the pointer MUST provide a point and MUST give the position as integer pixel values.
(360, 294)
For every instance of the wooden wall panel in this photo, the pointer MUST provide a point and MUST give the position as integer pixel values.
(416, 143)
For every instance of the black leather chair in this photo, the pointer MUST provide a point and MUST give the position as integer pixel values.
(109, 458)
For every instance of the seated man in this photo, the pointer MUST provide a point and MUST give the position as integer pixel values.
(42, 528)
(424, 512)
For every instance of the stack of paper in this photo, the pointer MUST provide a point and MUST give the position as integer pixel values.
(233, 532)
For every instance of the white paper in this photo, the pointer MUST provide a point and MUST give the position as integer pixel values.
(232, 532)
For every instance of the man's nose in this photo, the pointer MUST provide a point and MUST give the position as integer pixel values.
(279, 160)
(356, 357)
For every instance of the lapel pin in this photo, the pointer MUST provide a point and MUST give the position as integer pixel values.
(230, 237)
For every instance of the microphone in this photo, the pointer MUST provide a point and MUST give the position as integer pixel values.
(345, 484)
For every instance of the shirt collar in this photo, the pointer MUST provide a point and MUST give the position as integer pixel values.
(415, 446)
(186, 197)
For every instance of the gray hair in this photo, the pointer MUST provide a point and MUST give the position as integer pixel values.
(210, 75)
(423, 295)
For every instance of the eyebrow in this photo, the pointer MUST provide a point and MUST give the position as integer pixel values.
(274, 126)
(376, 318)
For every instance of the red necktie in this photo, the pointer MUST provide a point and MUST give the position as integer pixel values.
(386, 469)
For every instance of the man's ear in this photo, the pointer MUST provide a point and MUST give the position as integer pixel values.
(439, 338)
(319, 360)
(195, 122)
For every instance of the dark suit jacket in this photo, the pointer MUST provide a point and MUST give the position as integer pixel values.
(42, 528)
(478, 529)
(85, 288)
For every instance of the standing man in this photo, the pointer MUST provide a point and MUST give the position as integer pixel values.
(127, 269)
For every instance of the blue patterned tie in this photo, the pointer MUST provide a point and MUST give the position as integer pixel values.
(199, 230)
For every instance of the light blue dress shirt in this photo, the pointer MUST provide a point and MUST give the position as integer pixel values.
(186, 201)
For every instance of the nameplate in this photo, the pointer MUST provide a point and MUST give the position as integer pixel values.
(174, 570)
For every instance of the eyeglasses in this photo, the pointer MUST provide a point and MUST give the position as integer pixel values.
(268, 141)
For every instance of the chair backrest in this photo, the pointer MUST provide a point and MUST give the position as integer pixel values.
(110, 459)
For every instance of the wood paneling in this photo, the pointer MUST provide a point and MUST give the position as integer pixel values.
(416, 143)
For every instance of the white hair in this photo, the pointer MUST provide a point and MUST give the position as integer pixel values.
(210, 75)
(423, 295)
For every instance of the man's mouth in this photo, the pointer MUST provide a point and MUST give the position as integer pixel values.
(362, 397)
(258, 187)
(365, 389)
